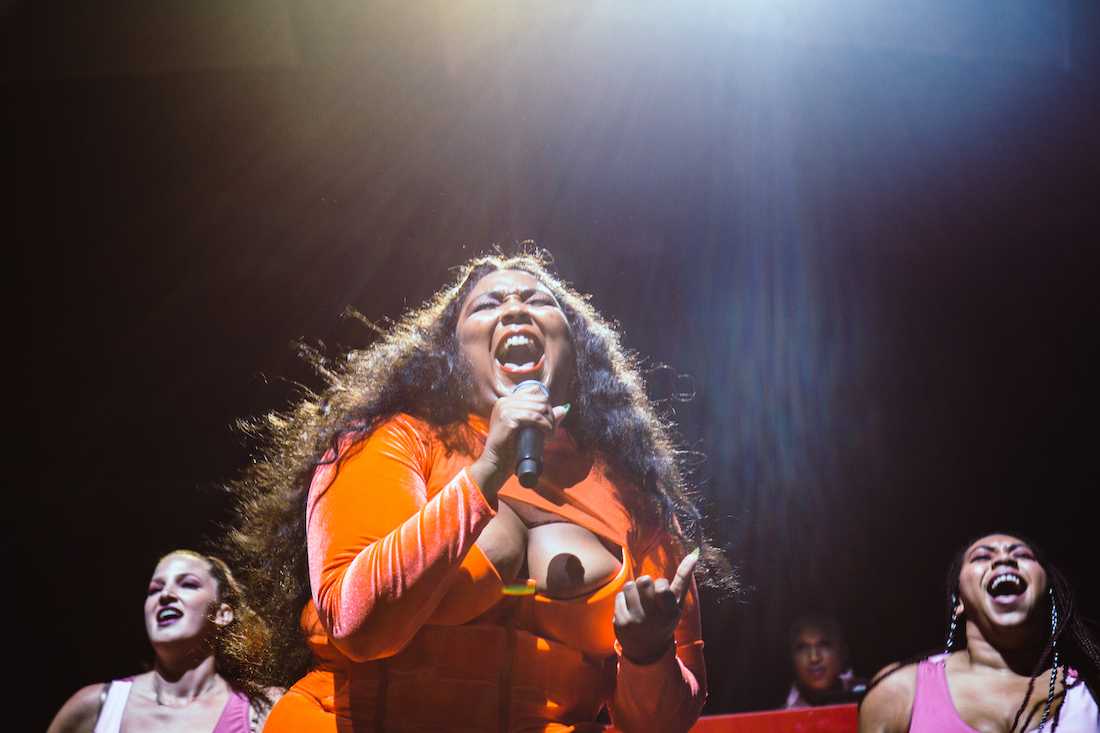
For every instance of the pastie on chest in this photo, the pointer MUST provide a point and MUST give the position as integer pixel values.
(564, 559)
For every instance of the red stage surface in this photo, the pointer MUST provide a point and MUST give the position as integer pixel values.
(830, 719)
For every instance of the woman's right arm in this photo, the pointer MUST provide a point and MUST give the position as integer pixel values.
(381, 551)
(79, 713)
(888, 706)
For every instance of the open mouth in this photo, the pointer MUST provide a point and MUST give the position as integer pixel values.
(1006, 587)
(520, 354)
(168, 615)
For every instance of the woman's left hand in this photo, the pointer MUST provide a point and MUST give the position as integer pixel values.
(647, 612)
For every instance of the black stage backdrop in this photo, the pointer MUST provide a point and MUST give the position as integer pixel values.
(871, 257)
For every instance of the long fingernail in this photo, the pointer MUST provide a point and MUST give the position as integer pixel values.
(694, 553)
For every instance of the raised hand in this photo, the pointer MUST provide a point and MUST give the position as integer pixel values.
(647, 612)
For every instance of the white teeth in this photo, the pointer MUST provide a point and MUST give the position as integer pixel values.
(517, 340)
(1007, 577)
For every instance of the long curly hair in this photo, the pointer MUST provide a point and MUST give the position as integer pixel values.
(415, 367)
(239, 644)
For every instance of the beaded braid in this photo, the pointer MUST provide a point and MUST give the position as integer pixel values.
(954, 624)
(1065, 686)
(1054, 665)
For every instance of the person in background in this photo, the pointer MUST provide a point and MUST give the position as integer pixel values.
(199, 625)
(1018, 655)
(819, 659)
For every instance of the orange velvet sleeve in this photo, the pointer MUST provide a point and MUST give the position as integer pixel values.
(668, 694)
(381, 551)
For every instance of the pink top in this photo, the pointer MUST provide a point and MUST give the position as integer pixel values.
(235, 717)
(934, 711)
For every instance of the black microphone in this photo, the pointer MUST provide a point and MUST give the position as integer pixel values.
(529, 445)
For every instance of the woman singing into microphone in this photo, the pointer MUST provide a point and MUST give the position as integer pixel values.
(384, 528)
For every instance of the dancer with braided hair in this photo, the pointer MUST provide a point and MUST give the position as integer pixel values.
(1018, 656)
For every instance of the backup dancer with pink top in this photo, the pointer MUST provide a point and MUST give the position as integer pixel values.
(1024, 661)
(194, 611)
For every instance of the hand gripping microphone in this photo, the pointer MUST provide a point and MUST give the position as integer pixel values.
(529, 444)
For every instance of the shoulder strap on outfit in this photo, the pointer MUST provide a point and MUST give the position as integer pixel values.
(927, 695)
(236, 716)
(113, 697)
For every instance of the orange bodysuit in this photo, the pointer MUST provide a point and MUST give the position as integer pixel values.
(408, 623)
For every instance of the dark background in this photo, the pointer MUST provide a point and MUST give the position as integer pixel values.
(868, 235)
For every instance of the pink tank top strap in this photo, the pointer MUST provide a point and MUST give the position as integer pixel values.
(236, 714)
(933, 709)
